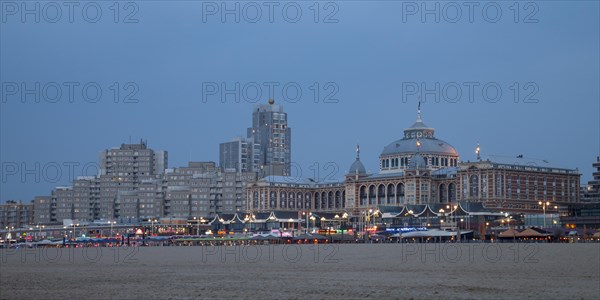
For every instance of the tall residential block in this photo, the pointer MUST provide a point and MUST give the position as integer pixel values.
(202, 190)
(267, 148)
(241, 154)
(15, 214)
(271, 132)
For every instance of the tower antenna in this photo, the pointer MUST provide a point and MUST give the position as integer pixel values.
(419, 110)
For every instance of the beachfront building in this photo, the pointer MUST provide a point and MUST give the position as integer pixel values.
(288, 193)
(580, 215)
(127, 187)
(77, 202)
(123, 170)
(15, 214)
(43, 211)
(133, 187)
(140, 204)
(420, 169)
(133, 161)
(523, 187)
(416, 169)
(203, 190)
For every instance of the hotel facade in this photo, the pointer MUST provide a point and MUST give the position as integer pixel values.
(420, 169)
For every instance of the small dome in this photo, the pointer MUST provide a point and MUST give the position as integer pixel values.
(357, 167)
(417, 162)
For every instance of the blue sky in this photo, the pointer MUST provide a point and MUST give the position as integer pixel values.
(366, 56)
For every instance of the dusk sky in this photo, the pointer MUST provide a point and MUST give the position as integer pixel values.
(360, 54)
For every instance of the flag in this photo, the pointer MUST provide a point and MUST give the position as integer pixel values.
(419, 107)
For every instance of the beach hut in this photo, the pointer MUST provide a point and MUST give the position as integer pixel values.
(533, 233)
(510, 233)
(310, 238)
(265, 238)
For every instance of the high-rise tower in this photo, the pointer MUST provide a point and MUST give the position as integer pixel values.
(271, 132)
(267, 148)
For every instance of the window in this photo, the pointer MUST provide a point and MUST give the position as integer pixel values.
(474, 186)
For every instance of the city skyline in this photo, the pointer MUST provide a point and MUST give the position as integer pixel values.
(338, 174)
(365, 91)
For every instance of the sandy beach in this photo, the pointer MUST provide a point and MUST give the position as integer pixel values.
(394, 271)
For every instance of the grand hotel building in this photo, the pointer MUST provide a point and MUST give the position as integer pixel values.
(421, 169)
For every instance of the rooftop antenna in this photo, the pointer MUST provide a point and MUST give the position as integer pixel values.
(419, 110)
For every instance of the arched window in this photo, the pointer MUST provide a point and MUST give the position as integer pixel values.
(372, 195)
(400, 193)
(292, 201)
(474, 186)
(380, 194)
(451, 192)
(282, 200)
(363, 195)
(391, 194)
(299, 200)
(443, 193)
(273, 200)
(255, 200)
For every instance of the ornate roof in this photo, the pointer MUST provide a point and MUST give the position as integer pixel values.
(419, 138)
(428, 146)
(357, 166)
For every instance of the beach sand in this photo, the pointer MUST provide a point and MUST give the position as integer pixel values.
(391, 271)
